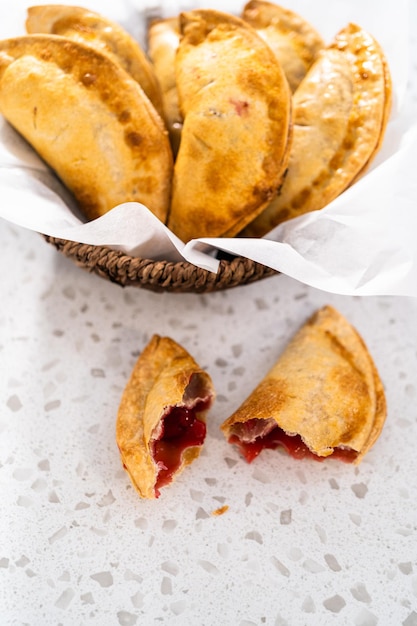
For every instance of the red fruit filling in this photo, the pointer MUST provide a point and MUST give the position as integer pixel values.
(181, 429)
(272, 438)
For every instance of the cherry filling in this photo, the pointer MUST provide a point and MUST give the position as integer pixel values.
(292, 444)
(181, 429)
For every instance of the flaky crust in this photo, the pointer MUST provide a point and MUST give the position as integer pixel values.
(324, 387)
(103, 34)
(235, 139)
(293, 40)
(163, 42)
(89, 120)
(340, 112)
(164, 376)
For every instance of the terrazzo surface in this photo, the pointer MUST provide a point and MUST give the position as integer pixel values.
(291, 543)
(278, 542)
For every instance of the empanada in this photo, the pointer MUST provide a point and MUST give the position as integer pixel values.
(161, 419)
(293, 40)
(163, 42)
(323, 397)
(340, 112)
(235, 140)
(106, 36)
(89, 120)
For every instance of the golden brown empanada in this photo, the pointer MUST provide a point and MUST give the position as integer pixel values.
(163, 41)
(323, 397)
(234, 147)
(293, 40)
(106, 36)
(89, 120)
(340, 112)
(161, 419)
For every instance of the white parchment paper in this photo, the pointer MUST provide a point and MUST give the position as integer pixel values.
(363, 243)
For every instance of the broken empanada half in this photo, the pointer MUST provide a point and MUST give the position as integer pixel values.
(293, 40)
(322, 398)
(103, 34)
(161, 419)
(340, 112)
(89, 120)
(163, 41)
(235, 139)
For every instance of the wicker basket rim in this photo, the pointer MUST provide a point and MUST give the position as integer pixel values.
(160, 275)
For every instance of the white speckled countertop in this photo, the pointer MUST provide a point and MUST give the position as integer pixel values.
(301, 543)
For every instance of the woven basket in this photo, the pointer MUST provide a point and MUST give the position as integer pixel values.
(175, 277)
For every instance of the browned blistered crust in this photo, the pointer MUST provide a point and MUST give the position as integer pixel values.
(163, 41)
(105, 35)
(324, 387)
(89, 120)
(293, 40)
(235, 139)
(164, 376)
(340, 112)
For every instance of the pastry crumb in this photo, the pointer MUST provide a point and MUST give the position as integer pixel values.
(221, 510)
